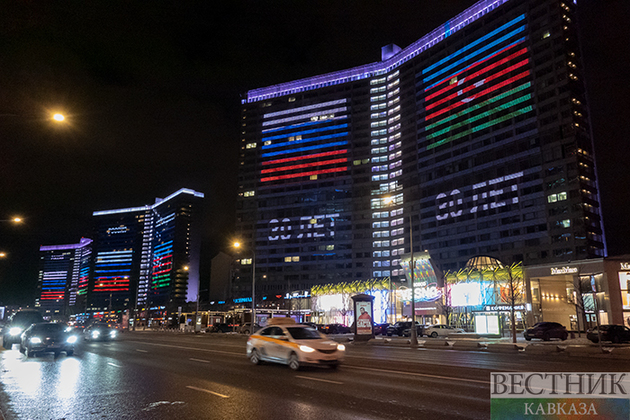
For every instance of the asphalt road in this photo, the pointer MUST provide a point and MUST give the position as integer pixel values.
(175, 376)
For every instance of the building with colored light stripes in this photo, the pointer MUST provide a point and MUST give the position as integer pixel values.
(475, 138)
(147, 257)
(63, 278)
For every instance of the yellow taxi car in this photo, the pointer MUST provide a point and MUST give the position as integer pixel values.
(284, 341)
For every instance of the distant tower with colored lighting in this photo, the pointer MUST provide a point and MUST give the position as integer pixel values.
(63, 278)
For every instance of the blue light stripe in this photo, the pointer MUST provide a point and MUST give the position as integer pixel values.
(157, 247)
(303, 141)
(476, 53)
(297, 133)
(112, 271)
(305, 149)
(472, 44)
(111, 265)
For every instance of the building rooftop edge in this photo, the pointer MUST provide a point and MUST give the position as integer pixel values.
(455, 24)
(158, 201)
(81, 244)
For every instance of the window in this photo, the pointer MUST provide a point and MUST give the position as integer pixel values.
(557, 197)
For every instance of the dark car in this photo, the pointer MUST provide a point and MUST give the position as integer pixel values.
(419, 330)
(613, 333)
(246, 328)
(48, 337)
(100, 331)
(546, 331)
(380, 329)
(221, 328)
(336, 329)
(400, 327)
(19, 322)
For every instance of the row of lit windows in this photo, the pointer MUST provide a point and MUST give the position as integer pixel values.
(557, 197)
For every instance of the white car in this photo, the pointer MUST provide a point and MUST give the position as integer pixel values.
(441, 330)
(294, 345)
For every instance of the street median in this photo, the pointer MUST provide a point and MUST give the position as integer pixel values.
(504, 348)
(468, 345)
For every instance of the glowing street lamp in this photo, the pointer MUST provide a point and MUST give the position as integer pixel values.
(58, 117)
(238, 245)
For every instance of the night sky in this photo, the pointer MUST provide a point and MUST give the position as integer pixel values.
(152, 93)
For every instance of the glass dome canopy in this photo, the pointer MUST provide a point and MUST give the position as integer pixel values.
(483, 262)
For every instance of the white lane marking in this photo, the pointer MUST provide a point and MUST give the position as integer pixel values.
(242, 353)
(199, 360)
(320, 380)
(208, 391)
(113, 364)
(425, 375)
(142, 351)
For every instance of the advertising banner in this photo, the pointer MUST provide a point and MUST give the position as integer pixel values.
(364, 320)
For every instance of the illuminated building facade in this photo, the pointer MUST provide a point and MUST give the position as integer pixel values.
(148, 257)
(476, 137)
(63, 278)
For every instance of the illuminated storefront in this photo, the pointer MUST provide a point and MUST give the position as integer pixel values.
(576, 292)
(481, 297)
(332, 303)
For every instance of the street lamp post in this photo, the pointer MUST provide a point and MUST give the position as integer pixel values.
(414, 331)
(251, 329)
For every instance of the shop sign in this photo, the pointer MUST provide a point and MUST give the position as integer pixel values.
(506, 308)
(563, 270)
(625, 266)
(424, 292)
(298, 295)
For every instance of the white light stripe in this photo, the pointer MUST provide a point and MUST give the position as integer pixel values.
(304, 108)
(113, 364)
(320, 380)
(208, 391)
(199, 360)
(142, 351)
(304, 116)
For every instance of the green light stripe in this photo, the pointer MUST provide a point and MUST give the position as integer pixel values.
(482, 115)
(480, 105)
(481, 127)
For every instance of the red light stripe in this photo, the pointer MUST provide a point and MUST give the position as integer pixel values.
(472, 86)
(113, 290)
(163, 271)
(301, 174)
(315, 156)
(480, 72)
(474, 65)
(304, 165)
(480, 94)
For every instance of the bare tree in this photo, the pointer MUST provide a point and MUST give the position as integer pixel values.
(512, 290)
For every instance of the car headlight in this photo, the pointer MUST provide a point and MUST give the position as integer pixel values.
(112, 334)
(36, 340)
(72, 339)
(341, 347)
(15, 331)
(95, 334)
(307, 349)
